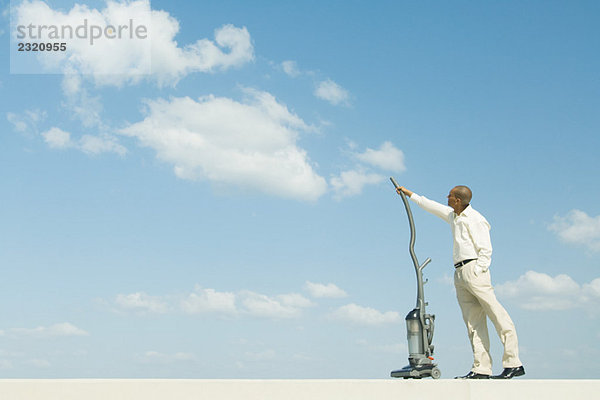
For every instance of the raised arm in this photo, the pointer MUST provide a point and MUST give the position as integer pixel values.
(435, 208)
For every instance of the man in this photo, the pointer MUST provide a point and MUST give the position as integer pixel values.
(472, 258)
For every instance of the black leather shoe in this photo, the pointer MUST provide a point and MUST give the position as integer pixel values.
(510, 373)
(473, 375)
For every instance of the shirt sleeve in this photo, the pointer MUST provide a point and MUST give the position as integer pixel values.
(437, 209)
(480, 233)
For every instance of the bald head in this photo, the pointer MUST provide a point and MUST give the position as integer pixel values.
(463, 193)
(459, 198)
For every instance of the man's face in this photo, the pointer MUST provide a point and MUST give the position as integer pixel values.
(453, 201)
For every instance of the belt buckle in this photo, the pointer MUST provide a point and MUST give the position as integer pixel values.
(463, 262)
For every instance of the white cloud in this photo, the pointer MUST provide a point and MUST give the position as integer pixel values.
(61, 329)
(151, 51)
(592, 290)
(56, 138)
(209, 301)
(320, 290)
(251, 144)
(282, 306)
(171, 63)
(352, 182)
(290, 68)
(332, 92)
(71, 83)
(92, 144)
(108, 61)
(141, 302)
(27, 121)
(539, 291)
(388, 158)
(19, 124)
(578, 228)
(295, 300)
(79, 103)
(360, 315)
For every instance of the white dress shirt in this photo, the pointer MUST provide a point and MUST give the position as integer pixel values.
(470, 230)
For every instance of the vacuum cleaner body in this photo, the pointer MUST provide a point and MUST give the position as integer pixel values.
(419, 324)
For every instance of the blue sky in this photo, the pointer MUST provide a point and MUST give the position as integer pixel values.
(218, 206)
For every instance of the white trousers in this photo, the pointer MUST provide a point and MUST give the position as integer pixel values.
(477, 301)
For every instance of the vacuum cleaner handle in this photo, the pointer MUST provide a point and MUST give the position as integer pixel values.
(411, 223)
(394, 182)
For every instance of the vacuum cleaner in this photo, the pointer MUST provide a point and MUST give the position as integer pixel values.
(419, 324)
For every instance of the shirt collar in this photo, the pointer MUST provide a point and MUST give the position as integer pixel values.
(466, 212)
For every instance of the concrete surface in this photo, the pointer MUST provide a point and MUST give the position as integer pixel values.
(313, 389)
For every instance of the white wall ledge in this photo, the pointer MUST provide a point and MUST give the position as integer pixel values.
(313, 389)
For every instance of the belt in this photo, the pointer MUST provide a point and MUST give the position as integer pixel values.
(461, 263)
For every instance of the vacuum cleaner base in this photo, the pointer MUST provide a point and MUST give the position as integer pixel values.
(417, 372)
